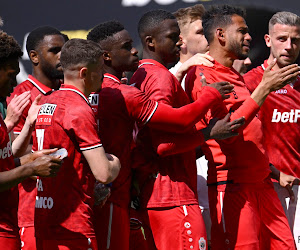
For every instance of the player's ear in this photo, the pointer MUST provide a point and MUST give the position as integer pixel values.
(106, 56)
(83, 72)
(268, 40)
(150, 42)
(183, 46)
(34, 57)
(220, 35)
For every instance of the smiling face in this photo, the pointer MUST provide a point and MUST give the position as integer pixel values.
(8, 73)
(48, 52)
(167, 42)
(238, 38)
(284, 43)
(123, 56)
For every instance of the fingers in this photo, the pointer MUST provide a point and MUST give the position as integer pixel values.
(48, 151)
(226, 118)
(271, 65)
(37, 99)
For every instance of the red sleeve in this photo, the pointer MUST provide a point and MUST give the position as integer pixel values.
(182, 119)
(169, 144)
(80, 122)
(253, 77)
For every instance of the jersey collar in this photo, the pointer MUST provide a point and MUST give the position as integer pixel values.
(112, 77)
(74, 89)
(41, 87)
(151, 62)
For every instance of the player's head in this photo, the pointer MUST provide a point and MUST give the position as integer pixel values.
(82, 60)
(284, 37)
(191, 31)
(43, 47)
(159, 33)
(10, 53)
(225, 27)
(117, 46)
(242, 66)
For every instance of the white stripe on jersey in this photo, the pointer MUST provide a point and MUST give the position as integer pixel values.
(92, 147)
(152, 113)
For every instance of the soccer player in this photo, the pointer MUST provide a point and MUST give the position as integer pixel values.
(167, 184)
(43, 46)
(244, 207)
(280, 113)
(31, 165)
(117, 107)
(63, 213)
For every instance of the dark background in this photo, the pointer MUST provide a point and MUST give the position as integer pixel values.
(20, 17)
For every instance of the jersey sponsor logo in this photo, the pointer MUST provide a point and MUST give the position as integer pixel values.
(45, 114)
(94, 101)
(284, 117)
(6, 151)
(42, 202)
(281, 91)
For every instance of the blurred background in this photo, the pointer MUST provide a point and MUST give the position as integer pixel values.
(75, 18)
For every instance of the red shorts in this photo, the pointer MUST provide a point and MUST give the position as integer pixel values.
(248, 216)
(112, 227)
(8, 243)
(28, 241)
(74, 244)
(178, 228)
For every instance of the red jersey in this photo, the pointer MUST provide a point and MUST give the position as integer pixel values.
(171, 180)
(280, 117)
(8, 198)
(27, 189)
(63, 208)
(117, 106)
(240, 159)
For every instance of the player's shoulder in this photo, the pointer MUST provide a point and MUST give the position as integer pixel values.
(22, 87)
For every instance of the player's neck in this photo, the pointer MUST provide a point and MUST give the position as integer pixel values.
(153, 56)
(221, 56)
(184, 57)
(42, 78)
(113, 72)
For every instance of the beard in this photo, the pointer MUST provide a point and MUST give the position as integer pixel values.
(51, 72)
(237, 50)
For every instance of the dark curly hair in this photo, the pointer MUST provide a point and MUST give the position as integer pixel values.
(9, 48)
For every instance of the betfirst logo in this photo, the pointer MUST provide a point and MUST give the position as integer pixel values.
(284, 117)
(6, 151)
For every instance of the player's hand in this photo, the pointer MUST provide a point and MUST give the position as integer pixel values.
(277, 79)
(224, 88)
(287, 181)
(224, 129)
(28, 158)
(15, 109)
(46, 166)
(34, 109)
(197, 59)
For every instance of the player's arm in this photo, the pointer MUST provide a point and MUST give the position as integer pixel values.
(272, 80)
(44, 165)
(15, 109)
(171, 143)
(105, 167)
(21, 142)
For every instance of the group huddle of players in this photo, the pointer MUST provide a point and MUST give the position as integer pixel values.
(121, 157)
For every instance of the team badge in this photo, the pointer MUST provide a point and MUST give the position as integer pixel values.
(202, 244)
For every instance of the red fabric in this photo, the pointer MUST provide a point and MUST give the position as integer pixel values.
(64, 203)
(117, 109)
(8, 198)
(175, 183)
(242, 158)
(172, 228)
(28, 240)
(27, 190)
(277, 130)
(74, 244)
(118, 237)
(248, 216)
(10, 243)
